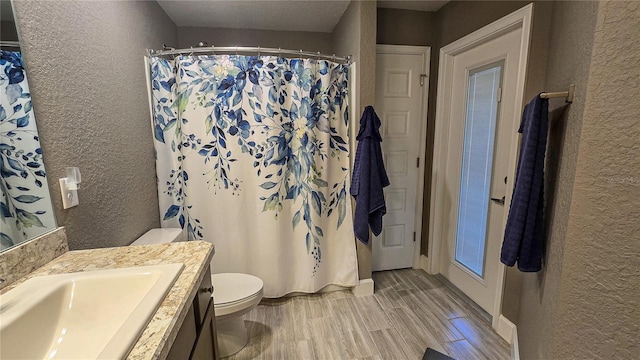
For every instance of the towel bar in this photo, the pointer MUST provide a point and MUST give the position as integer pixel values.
(565, 94)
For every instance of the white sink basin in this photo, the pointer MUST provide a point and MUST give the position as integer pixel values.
(85, 315)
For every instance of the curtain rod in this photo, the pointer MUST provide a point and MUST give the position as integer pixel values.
(203, 48)
(561, 94)
(10, 43)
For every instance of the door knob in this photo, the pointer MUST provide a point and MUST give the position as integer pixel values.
(499, 201)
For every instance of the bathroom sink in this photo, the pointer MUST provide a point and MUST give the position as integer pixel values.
(85, 315)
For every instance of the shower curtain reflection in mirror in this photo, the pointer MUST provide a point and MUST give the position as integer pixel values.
(25, 205)
(253, 156)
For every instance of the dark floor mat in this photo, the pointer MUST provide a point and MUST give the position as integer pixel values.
(431, 354)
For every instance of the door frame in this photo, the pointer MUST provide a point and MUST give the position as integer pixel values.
(425, 51)
(520, 18)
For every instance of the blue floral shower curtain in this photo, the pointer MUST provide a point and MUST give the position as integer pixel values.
(252, 155)
(25, 205)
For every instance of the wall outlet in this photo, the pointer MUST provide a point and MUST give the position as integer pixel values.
(69, 197)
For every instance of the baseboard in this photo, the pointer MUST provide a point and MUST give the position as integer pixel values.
(364, 288)
(505, 328)
(508, 331)
(515, 350)
(424, 263)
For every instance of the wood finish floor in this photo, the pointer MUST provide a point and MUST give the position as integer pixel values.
(409, 312)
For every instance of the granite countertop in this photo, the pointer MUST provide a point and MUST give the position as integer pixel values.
(156, 340)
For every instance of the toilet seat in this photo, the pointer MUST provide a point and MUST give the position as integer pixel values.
(234, 293)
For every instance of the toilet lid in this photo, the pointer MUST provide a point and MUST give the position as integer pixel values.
(232, 287)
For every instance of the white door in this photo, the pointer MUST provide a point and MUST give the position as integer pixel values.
(401, 88)
(481, 124)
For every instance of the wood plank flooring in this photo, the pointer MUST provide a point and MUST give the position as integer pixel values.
(409, 312)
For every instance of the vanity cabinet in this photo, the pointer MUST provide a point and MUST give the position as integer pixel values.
(196, 339)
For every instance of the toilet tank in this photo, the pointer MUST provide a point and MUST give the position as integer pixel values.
(159, 236)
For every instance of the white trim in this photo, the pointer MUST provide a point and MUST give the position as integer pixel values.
(425, 51)
(147, 74)
(364, 288)
(519, 18)
(424, 263)
(515, 348)
(508, 331)
(505, 328)
(354, 114)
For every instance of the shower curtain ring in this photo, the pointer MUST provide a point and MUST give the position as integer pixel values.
(236, 50)
(258, 51)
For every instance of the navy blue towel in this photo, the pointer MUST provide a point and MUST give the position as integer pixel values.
(369, 177)
(524, 232)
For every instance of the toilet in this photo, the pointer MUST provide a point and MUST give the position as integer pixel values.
(234, 295)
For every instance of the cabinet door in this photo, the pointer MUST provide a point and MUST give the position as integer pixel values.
(205, 348)
(183, 344)
(201, 301)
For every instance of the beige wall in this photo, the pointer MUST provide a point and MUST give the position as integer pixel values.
(536, 72)
(85, 64)
(308, 41)
(568, 60)
(8, 31)
(355, 34)
(405, 27)
(598, 310)
(367, 54)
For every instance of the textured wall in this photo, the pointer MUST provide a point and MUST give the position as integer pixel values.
(85, 64)
(367, 53)
(346, 41)
(367, 79)
(568, 60)
(355, 34)
(346, 37)
(308, 41)
(599, 312)
(536, 73)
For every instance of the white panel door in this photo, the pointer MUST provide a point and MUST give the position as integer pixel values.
(483, 92)
(401, 85)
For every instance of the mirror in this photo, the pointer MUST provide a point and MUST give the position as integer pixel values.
(26, 210)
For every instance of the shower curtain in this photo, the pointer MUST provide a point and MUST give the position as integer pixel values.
(25, 205)
(252, 155)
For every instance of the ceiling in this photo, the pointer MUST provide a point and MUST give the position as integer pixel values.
(291, 15)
